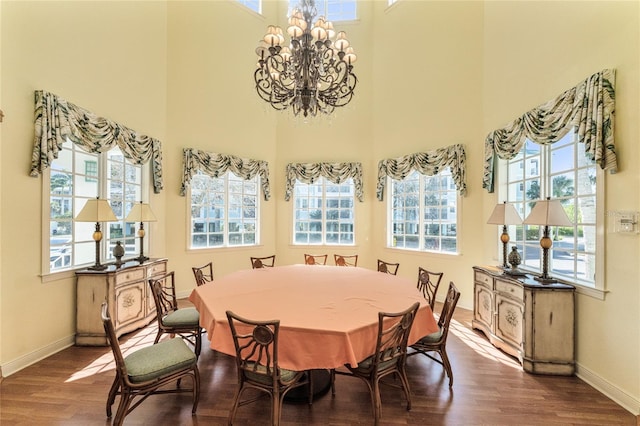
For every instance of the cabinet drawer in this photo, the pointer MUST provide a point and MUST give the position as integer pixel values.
(129, 276)
(158, 268)
(483, 278)
(510, 289)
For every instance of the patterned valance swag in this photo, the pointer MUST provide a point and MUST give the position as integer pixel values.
(428, 163)
(589, 107)
(57, 120)
(334, 172)
(215, 165)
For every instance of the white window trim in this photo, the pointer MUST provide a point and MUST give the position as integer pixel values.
(49, 276)
(600, 289)
(227, 247)
(389, 228)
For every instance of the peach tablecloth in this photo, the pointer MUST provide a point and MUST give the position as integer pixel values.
(328, 314)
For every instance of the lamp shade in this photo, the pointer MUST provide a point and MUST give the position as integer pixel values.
(549, 213)
(141, 212)
(504, 214)
(96, 210)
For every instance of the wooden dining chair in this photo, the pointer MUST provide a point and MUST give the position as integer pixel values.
(388, 358)
(388, 268)
(428, 283)
(256, 345)
(263, 262)
(437, 342)
(341, 260)
(148, 371)
(184, 322)
(203, 274)
(315, 259)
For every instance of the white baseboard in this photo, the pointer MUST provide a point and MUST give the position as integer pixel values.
(622, 398)
(31, 358)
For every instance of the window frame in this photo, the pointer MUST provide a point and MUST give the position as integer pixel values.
(247, 4)
(422, 193)
(258, 203)
(598, 290)
(47, 274)
(322, 6)
(324, 243)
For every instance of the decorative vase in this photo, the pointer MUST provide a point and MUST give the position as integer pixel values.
(118, 252)
(514, 257)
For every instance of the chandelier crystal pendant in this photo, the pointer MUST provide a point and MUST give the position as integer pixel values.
(314, 73)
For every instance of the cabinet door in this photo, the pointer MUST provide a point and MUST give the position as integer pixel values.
(509, 320)
(130, 303)
(483, 306)
(552, 326)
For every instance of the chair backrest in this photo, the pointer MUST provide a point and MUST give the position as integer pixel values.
(256, 344)
(448, 307)
(346, 260)
(393, 334)
(163, 289)
(428, 283)
(263, 262)
(110, 331)
(315, 259)
(388, 268)
(203, 274)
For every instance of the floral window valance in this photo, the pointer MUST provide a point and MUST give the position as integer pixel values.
(334, 172)
(589, 107)
(215, 165)
(57, 120)
(428, 163)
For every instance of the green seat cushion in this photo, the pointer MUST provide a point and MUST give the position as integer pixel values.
(260, 374)
(159, 360)
(183, 317)
(366, 363)
(431, 338)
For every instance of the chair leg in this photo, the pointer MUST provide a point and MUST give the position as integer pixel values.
(125, 401)
(196, 390)
(310, 377)
(112, 394)
(333, 382)
(375, 399)
(158, 336)
(275, 407)
(447, 365)
(198, 342)
(236, 402)
(405, 386)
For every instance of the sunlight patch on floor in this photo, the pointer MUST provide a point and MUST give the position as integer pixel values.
(481, 345)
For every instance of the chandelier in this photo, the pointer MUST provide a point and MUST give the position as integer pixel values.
(314, 73)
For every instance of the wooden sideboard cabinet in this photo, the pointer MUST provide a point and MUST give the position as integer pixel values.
(531, 321)
(126, 289)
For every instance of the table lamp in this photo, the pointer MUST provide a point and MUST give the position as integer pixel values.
(141, 213)
(547, 213)
(504, 214)
(97, 210)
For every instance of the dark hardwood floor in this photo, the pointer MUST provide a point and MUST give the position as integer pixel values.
(70, 388)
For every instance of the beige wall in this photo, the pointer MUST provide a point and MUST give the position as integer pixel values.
(431, 74)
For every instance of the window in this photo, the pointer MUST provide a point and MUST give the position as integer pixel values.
(74, 177)
(424, 213)
(224, 211)
(254, 5)
(560, 171)
(333, 10)
(324, 212)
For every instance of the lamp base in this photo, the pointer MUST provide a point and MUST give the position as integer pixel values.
(515, 271)
(141, 259)
(545, 280)
(97, 267)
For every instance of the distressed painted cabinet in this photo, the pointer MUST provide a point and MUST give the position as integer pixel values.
(531, 321)
(127, 291)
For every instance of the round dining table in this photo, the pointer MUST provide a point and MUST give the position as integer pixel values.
(328, 314)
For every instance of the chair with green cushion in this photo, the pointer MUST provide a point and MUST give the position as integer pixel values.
(203, 274)
(428, 283)
(388, 268)
(256, 344)
(315, 259)
(263, 262)
(147, 370)
(437, 342)
(351, 260)
(184, 322)
(388, 358)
